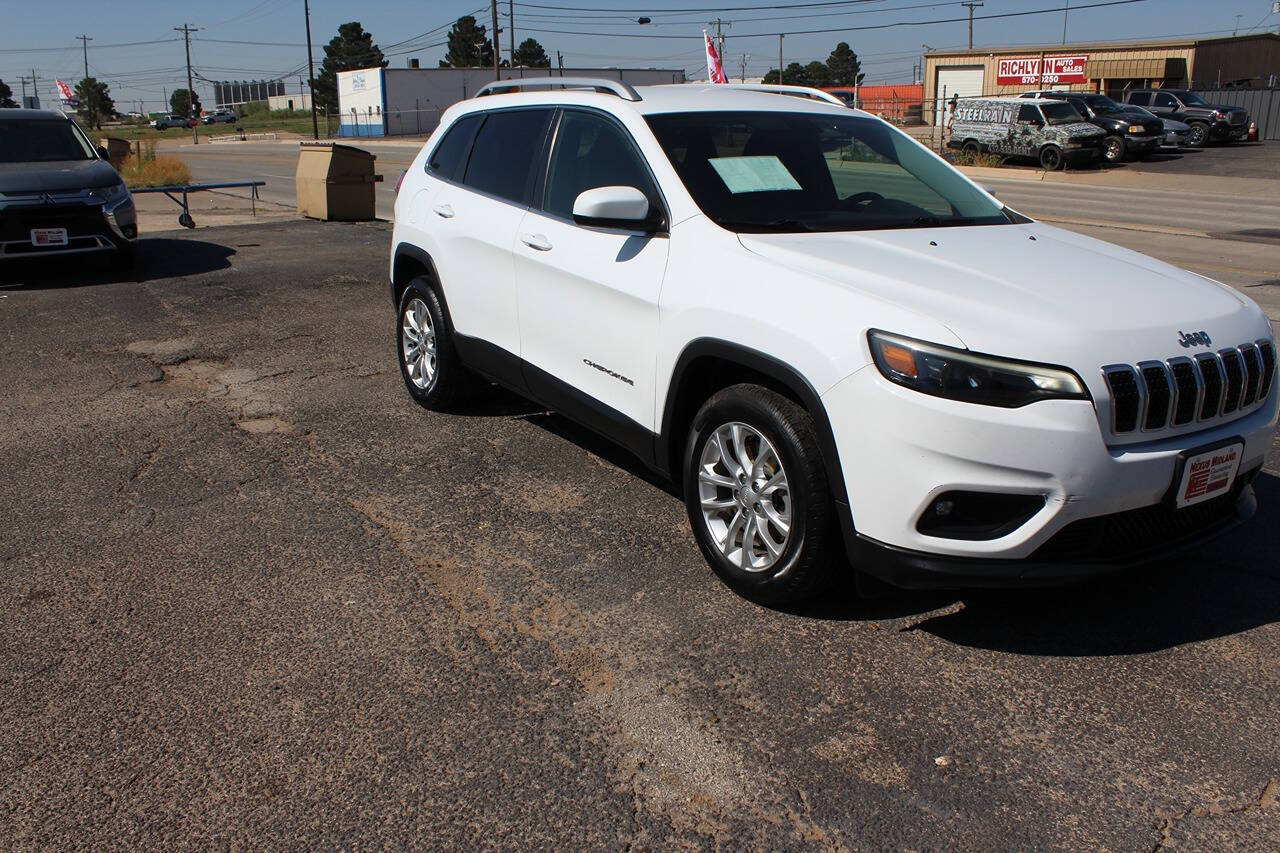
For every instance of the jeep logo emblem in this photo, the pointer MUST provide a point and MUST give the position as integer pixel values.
(1194, 339)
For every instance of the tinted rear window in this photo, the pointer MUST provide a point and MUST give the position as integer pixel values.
(1142, 99)
(503, 153)
(450, 155)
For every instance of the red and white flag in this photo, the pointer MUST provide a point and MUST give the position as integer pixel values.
(715, 73)
(65, 91)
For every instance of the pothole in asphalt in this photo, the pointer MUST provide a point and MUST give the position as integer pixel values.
(265, 425)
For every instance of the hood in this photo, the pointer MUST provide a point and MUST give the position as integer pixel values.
(1170, 124)
(1080, 128)
(1223, 108)
(1059, 298)
(55, 176)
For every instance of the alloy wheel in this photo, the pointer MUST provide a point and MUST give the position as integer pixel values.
(418, 344)
(1113, 150)
(745, 497)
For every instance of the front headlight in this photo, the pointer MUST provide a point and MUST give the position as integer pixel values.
(1136, 128)
(969, 378)
(113, 194)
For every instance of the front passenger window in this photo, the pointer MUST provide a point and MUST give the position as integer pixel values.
(1028, 114)
(591, 151)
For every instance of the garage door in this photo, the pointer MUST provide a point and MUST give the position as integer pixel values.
(962, 81)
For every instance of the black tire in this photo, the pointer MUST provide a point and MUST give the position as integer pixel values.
(972, 148)
(1198, 136)
(1051, 158)
(803, 565)
(450, 380)
(1113, 149)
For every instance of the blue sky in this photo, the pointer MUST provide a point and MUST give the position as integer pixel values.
(43, 39)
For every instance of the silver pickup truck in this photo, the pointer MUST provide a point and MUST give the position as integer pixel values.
(1051, 132)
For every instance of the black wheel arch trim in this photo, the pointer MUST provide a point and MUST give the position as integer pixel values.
(789, 378)
(415, 253)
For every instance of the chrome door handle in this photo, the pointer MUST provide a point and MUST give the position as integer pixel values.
(444, 211)
(536, 241)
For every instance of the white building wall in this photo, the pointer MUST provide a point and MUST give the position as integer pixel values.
(361, 101)
(412, 99)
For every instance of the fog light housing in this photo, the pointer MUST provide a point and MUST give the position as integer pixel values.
(130, 231)
(977, 516)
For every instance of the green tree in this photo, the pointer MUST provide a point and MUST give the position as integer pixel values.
(180, 102)
(350, 49)
(6, 96)
(468, 45)
(531, 55)
(793, 75)
(844, 67)
(816, 74)
(95, 102)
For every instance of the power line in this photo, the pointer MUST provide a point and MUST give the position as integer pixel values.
(862, 28)
(97, 47)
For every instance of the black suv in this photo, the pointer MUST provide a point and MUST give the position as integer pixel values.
(1129, 131)
(58, 194)
(1209, 122)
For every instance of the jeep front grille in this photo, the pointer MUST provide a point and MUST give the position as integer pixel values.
(1157, 394)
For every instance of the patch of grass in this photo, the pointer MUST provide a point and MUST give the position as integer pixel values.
(144, 169)
(982, 158)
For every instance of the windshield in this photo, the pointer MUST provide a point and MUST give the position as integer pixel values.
(1061, 113)
(42, 141)
(1193, 99)
(788, 172)
(1102, 105)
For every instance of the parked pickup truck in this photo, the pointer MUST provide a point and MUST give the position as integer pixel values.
(1130, 131)
(220, 117)
(166, 122)
(1209, 122)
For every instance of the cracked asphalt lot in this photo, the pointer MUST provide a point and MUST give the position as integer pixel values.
(252, 596)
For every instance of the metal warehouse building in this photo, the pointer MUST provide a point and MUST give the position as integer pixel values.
(1251, 61)
(400, 101)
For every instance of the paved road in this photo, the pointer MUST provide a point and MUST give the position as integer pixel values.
(252, 596)
(1078, 202)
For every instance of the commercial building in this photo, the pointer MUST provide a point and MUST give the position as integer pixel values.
(296, 101)
(405, 101)
(228, 93)
(1251, 61)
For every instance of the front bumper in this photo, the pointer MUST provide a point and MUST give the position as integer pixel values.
(91, 227)
(916, 447)
(1141, 144)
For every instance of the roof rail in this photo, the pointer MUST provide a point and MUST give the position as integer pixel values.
(802, 91)
(616, 87)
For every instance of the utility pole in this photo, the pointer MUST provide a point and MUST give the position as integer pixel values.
(85, 40)
(717, 23)
(1237, 29)
(497, 73)
(743, 79)
(311, 74)
(780, 59)
(560, 63)
(971, 5)
(511, 25)
(187, 30)
(1066, 9)
(35, 87)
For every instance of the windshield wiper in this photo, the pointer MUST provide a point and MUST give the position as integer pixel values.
(936, 222)
(771, 225)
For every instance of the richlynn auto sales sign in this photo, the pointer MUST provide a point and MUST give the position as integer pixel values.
(1025, 70)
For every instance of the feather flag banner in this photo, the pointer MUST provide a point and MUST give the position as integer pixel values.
(715, 73)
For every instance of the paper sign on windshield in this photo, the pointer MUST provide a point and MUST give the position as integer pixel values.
(753, 174)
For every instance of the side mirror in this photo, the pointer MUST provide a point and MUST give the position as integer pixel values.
(615, 207)
(102, 152)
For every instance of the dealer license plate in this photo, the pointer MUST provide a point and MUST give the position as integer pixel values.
(48, 236)
(1209, 474)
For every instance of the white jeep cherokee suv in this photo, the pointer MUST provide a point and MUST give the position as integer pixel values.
(840, 347)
